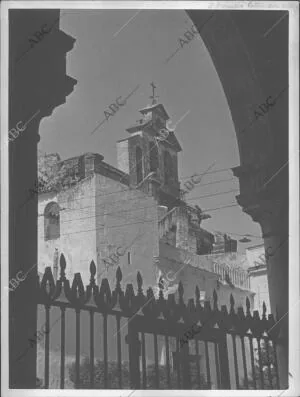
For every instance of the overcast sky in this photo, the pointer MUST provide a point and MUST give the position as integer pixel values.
(116, 50)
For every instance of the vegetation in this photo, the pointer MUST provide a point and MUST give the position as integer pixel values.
(54, 175)
(113, 376)
(265, 370)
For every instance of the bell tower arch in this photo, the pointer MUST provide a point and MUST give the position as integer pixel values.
(150, 154)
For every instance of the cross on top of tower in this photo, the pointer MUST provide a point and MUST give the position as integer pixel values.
(153, 96)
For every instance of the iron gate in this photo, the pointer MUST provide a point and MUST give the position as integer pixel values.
(179, 362)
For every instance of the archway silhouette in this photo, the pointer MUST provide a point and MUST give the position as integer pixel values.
(248, 62)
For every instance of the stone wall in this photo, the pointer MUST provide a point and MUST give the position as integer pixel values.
(77, 228)
(199, 271)
(126, 221)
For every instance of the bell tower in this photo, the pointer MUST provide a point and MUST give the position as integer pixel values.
(150, 154)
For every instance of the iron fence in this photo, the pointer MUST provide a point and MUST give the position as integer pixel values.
(171, 344)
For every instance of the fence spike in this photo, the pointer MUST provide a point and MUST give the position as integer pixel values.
(93, 272)
(256, 322)
(248, 305)
(197, 294)
(139, 280)
(48, 284)
(231, 301)
(264, 309)
(215, 298)
(77, 286)
(105, 292)
(62, 265)
(118, 275)
(231, 304)
(180, 291)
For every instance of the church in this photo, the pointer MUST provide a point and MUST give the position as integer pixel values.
(133, 216)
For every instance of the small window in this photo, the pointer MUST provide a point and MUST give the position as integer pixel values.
(129, 258)
(52, 221)
(153, 153)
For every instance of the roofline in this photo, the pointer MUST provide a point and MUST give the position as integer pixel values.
(138, 127)
(255, 246)
(129, 137)
(153, 106)
(254, 268)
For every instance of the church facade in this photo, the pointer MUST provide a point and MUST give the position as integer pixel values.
(132, 216)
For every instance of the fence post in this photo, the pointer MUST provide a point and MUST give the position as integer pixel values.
(134, 347)
(224, 363)
(186, 378)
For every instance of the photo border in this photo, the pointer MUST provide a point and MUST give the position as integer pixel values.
(293, 8)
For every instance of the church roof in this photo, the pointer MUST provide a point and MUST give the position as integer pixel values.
(157, 106)
(138, 126)
(171, 140)
(254, 247)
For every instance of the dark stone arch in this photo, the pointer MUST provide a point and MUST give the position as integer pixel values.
(252, 64)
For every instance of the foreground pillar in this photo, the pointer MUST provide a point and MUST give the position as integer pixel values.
(270, 208)
(276, 240)
(37, 85)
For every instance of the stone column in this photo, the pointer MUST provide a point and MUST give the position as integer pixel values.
(272, 215)
(275, 233)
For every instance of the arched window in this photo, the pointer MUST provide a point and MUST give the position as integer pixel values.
(168, 167)
(51, 221)
(175, 167)
(153, 153)
(139, 164)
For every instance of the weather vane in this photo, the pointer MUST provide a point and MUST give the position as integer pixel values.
(153, 96)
